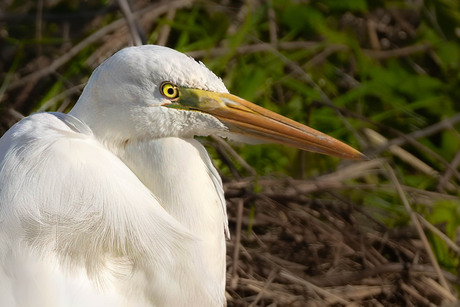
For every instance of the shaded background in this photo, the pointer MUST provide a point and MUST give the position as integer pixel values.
(307, 230)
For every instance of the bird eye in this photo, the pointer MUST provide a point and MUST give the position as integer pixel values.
(169, 91)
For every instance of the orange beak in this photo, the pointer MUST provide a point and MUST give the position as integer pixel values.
(245, 118)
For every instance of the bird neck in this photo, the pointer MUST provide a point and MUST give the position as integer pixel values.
(180, 174)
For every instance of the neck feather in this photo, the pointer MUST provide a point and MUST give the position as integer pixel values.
(180, 174)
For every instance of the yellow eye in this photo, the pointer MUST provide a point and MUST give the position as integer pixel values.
(169, 91)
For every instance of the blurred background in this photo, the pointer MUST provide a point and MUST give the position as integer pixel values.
(307, 230)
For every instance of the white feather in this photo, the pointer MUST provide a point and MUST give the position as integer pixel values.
(115, 204)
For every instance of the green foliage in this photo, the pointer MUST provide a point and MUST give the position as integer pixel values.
(387, 89)
(446, 215)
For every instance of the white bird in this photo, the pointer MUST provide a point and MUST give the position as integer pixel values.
(115, 203)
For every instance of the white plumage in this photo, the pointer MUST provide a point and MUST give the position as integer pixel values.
(115, 203)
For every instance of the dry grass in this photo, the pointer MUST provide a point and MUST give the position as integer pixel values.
(294, 242)
(299, 243)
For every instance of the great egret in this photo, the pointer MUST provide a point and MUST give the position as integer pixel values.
(115, 203)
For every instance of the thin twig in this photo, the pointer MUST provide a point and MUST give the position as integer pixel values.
(270, 279)
(323, 55)
(70, 91)
(410, 138)
(272, 25)
(15, 114)
(9, 76)
(265, 47)
(234, 155)
(425, 132)
(344, 278)
(399, 52)
(372, 34)
(415, 294)
(437, 288)
(331, 297)
(379, 140)
(417, 225)
(38, 26)
(131, 22)
(444, 180)
(225, 156)
(166, 29)
(440, 234)
(67, 56)
(156, 9)
(236, 251)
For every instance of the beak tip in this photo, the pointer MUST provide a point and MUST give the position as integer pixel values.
(351, 154)
(363, 157)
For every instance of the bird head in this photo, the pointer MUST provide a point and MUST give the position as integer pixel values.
(151, 91)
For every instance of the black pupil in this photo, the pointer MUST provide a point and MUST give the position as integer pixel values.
(170, 91)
